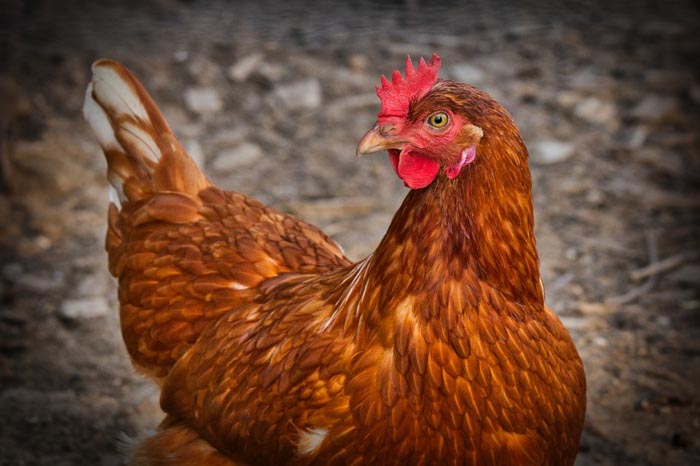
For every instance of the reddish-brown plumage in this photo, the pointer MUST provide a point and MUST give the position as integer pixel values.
(272, 348)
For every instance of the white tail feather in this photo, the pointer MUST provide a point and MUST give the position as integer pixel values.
(116, 94)
(135, 137)
(99, 122)
(142, 140)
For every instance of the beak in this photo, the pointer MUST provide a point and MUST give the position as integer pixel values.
(380, 137)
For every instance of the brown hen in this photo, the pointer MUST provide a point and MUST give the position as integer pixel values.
(272, 348)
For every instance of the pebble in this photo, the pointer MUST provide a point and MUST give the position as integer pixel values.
(241, 155)
(272, 72)
(41, 283)
(245, 67)
(551, 151)
(84, 308)
(358, 62)
(663, 321)
(303, 94)
(597, 111)
(181, 56)
(656, 109)
(600, 341)
(203, 100)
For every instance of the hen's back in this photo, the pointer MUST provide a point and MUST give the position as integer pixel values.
(184, 251)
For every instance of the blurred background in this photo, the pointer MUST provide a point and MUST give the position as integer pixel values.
(272, 100)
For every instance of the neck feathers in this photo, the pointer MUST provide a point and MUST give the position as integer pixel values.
(477, 227)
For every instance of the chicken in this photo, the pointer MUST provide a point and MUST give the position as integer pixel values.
(272, 348)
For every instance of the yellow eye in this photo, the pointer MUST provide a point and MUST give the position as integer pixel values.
(438, 120)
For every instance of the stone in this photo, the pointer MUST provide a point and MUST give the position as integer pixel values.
(551, 151)
(88, 307)
(203, 100)
(272, 72)
(597, 111)
(656, 109)
(181, 56)
(358, 62)
(298, 95)
(245, 67)
(238, 156)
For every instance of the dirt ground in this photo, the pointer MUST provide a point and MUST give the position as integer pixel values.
(272, 102)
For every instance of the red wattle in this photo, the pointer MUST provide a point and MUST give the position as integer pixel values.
(416, 172)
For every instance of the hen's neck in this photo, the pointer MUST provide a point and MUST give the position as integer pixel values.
(478, 226)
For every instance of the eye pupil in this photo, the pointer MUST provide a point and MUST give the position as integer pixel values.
(438, 120)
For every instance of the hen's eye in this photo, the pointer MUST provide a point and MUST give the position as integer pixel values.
(438, 120)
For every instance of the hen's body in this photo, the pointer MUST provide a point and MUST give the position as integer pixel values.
(273, 348)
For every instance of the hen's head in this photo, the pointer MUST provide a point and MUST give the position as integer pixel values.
(427, 125)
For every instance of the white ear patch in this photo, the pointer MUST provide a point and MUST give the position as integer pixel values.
(310, 440)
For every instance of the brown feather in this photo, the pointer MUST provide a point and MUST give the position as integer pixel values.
(273, 348)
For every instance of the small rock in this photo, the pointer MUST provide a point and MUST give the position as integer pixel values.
(358, 62)
(232, 158)
(84, 308)
(466, 73)
(592, 308)
(600, 341)
(597, 111)
(41, 283)
(551, 151)
(588, 79)
(304, 94)
(568, 99)
(663, 321)
(181, 56)
(571, 253)
(272, 72)
(595, 197)
(229, 136)
(656, 109)
(93, 284)
(637, 137)
(203, 100)
(245, 67)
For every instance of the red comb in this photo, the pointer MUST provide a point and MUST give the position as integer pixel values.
(397, 94)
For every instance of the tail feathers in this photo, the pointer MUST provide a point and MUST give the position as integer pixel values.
(143, 156)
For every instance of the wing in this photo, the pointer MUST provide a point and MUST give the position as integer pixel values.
(184, 251)
(183, 261)
(267, 381)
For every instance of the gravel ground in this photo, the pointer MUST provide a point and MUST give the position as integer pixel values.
(272, 101)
